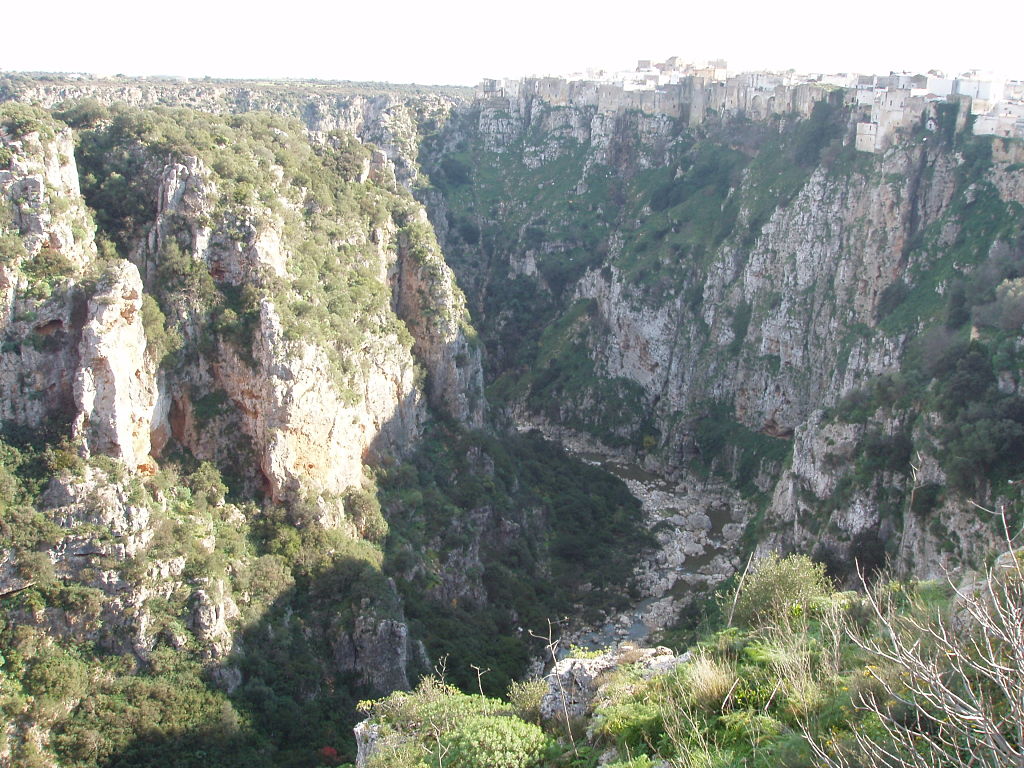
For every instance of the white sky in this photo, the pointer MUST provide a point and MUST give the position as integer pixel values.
(460, 42)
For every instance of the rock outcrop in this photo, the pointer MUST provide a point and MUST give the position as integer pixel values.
(574, 684)
(434, 308)
(41, 184)
(116, 387)
(310, 431)
(378, 651)
(308, 436)
(47, 242)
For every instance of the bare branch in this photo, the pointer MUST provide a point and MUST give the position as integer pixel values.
(958, 697)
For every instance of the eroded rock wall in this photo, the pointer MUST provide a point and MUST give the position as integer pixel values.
(685, 334)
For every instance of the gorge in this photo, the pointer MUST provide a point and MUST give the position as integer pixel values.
(309, 387)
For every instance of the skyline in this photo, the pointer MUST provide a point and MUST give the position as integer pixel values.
(459, 43)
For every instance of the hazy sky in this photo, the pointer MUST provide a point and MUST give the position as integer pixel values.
(460, 42)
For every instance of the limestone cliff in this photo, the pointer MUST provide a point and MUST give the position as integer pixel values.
(47, 241)
(433, 307)
(292, 321)
(313, 410)
(244, 426)
(116, 391)
(707, 290)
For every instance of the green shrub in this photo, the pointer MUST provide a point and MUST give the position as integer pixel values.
(48, 265)
(58, 675)
(437, 724)
(84, 113)
(364, 510)
(35, 567)
(12, 249)
(23, 119)
(631, 724)
(526, 697)
(778, 586)
(926, 498)
(740, 326)
(746, 727)
(643, 761)
(208, 489)
(482, 741)
(161, 341)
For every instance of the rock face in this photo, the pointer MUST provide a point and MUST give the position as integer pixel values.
(367, 736)
(307, 436)
(378, 651)
(101, 520)
(48, 241)
(574, 684)
(212, 610)
(430, 302)
(94, 499)
(799, 293)
(778, 314)
(687, 351)
(116, 386)
(41, 184)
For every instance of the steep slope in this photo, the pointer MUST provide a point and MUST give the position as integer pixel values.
(250, 470)
(221, 337)
(692, 297)
(106, 553)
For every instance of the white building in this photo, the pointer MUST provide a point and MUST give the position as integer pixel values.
(941, 86)
(985, 93)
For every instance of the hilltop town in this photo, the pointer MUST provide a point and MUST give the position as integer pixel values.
(694, 93)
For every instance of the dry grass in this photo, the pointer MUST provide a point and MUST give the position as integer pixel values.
(526, 696)
(708, 681)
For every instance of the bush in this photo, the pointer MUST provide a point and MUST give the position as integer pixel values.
(48, 265)
(160, 341)
(482, 741)
(632, 724)
(84, 113)
(777, 587)
(466, 731)
(36, 567)
(58, 675)
(643, 761)
(526, 696)
(208, 489)
(957, 680)
(364, 509)
(23, 119)
(12, 249)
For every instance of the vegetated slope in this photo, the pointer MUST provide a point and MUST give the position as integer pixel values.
(219, 338)
(826, 331)
(790, 673)
(243, 474)
(388, 115)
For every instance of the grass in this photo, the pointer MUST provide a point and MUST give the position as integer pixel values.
(745, 697)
